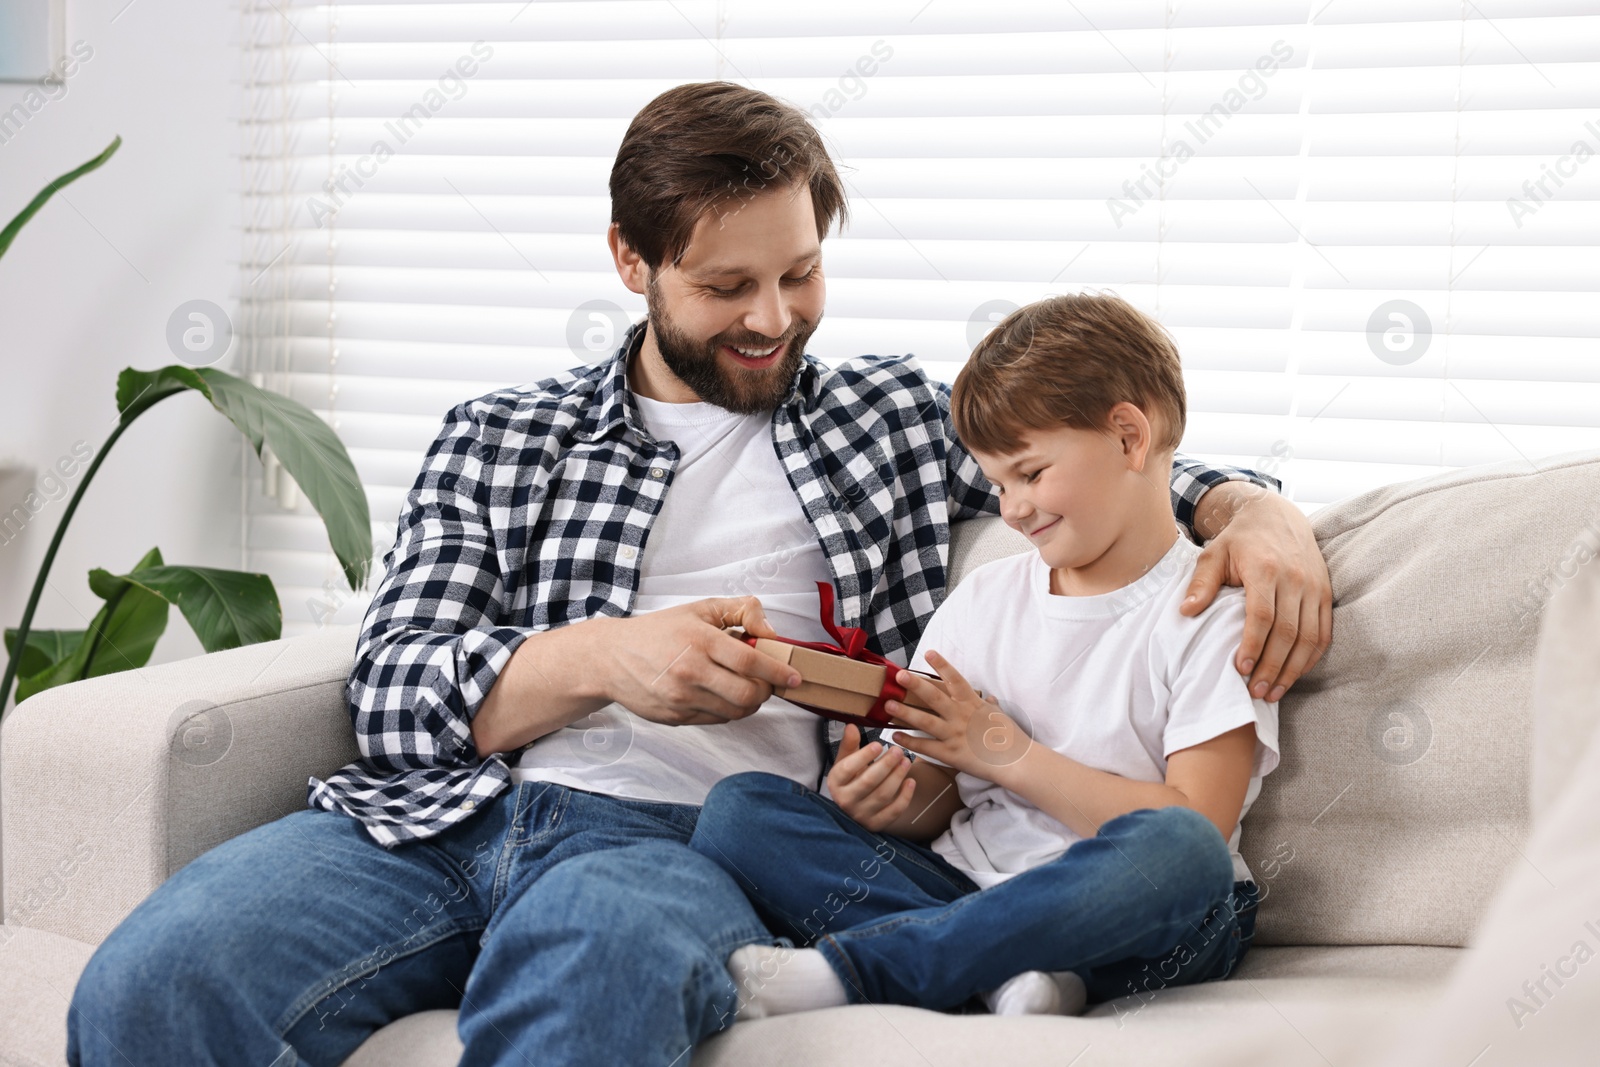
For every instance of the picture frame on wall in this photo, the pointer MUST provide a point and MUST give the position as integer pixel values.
(33, 40)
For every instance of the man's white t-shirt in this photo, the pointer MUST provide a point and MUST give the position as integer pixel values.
(729, 525)
(1118, 682)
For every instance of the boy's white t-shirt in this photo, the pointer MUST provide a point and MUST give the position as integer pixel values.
(729, 525)
(1117, 681)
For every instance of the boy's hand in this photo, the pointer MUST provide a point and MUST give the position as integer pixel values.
(871, 791)
(965, 730)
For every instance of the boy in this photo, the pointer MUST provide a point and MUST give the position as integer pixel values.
(1084, 818)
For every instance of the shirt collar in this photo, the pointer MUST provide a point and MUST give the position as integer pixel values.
(614, 404)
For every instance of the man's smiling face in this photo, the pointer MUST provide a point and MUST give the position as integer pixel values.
(730, 320)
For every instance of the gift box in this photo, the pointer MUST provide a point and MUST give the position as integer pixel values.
(835, 686)
(845, 681)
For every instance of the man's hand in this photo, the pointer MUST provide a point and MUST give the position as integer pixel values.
(872, 790)
(965, 731)
(676, 666)
(1265, 544)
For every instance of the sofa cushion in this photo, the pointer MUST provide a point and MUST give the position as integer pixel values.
(1525, 993)
(978, 541)
(38, 972)
(1403, 790)
(426, 1039)
(1302, 1000)
(1525, 989)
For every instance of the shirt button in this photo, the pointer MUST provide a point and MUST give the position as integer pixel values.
(658, 472)
(469, 805)
(628, 552)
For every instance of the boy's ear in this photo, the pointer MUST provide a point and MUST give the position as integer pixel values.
(1134, 432)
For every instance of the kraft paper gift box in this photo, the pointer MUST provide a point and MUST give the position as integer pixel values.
(846, 680)
(834, 685)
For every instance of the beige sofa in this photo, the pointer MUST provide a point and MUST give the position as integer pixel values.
(1403, 803)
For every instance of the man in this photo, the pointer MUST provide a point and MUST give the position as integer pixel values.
(543, 692)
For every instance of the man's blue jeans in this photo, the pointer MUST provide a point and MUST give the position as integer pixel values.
(568, 927)
(1148, 903)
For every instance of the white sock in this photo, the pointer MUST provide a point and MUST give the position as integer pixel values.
(1039, 993)
(776, 981)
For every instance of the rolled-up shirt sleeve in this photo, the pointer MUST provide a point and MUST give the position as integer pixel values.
(434, 639)
(970, 493)
(1191, 479)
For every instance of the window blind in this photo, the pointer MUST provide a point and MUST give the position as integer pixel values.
(1371, 227)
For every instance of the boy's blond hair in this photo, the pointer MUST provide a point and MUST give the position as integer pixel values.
(1068, 360)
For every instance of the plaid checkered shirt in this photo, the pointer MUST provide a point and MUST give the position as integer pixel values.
(526, 497)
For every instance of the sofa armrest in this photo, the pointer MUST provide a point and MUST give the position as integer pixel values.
(109, 785)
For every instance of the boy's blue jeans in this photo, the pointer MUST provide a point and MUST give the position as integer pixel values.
(569, 928)
(1149, 902)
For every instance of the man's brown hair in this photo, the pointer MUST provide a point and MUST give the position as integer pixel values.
(1068, 360)
(713, 145)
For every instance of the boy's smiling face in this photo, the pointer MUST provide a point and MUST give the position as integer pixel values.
(1092, 502)
(1062, 490)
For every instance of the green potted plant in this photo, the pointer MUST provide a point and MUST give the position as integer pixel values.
(225, 608)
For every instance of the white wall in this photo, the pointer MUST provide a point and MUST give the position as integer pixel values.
(87, 289)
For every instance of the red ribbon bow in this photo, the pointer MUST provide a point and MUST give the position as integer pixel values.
(852, 644)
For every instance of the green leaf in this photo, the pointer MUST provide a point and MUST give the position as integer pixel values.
(225, 608)
(136, 620)
(314, 457)
(138, 389)
(121, 636)
(8, 234)
(306, 446)
(45, 647)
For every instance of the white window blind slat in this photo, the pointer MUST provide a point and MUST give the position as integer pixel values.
(1402, 150)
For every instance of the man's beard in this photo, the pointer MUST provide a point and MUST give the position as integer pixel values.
(698, 365)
